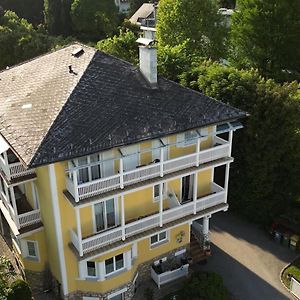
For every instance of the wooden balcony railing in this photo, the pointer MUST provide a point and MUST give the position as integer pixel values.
(81, 191)
(96, 241)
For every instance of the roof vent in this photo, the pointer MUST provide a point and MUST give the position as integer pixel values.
(78, 52)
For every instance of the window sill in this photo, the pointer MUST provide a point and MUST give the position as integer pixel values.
(158, 244)
(116, 273)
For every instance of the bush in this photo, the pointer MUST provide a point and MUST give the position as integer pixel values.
(19, 289)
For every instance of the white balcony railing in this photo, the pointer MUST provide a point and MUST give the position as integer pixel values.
(133, 228)
(96, 187)
(169, 276)
(14, 170)
(29, 218)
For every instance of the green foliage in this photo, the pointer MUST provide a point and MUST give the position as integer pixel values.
(267, 151)
(197, 22)
(202, 286)
(19, 289)
(292, 270)
(6, 275)
(123, 46)
(265, 35)
(20, 41)
(148, 293)
(31, 10)
(94, 19)
(135, 5)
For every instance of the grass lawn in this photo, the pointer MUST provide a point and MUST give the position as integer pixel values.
(292, 270)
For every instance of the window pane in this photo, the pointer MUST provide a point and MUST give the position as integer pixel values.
(83, 174)
(110, 212)
(162, 235)
(96, 174)
(109, 265)
(91, 268)
(99, 211)
(118, 297)
(154, 239)
(31, 249)
(156, 190)
(119, 261)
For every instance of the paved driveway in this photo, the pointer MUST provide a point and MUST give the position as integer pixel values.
(248, 260)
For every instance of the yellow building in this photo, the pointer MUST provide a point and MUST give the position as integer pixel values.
(108, 171)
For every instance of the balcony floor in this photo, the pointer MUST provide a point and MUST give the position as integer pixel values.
(148, 232)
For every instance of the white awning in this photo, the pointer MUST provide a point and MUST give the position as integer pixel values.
(3, 145)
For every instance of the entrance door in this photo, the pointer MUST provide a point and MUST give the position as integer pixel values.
(187, 188)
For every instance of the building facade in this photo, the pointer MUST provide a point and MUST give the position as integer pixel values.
(96, 204)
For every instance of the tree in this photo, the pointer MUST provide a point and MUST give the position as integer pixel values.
(31, 10)
(53, 16)
(123, 46)
(6, 275)
(267, 151)
(265, 35)
(20, 41)
(94, 19)
(194, 22)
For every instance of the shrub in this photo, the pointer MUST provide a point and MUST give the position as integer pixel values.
(19, 289)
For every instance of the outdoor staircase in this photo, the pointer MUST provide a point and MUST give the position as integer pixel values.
(196, 250)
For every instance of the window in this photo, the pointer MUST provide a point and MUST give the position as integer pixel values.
(114, 264)
(105, 216)
(31, 249)
(156, 192)
(91, 268)
(158, 238)
(117, 297)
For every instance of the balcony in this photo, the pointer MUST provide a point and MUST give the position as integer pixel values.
(220, 149)
(18, 211)
(175, 212)
(162, 275)
(12, 168)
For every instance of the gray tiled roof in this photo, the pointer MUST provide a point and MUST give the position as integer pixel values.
(107, 104)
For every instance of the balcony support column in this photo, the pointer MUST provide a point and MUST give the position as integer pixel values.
(121, 172)
(230, 141)
(161, 162)
(198, 151)
(79, 234)
(205, 228)
(13, 199)
(75, 182)
(123, 218)
(161, 204)
(195, 192)
(7, 171)
(226, 180)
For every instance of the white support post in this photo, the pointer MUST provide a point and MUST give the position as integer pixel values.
(79, 234)
(121, 172)
(101, 271)
(161, 162)
(123, 217)
(75, 182)
(205, 228)
(226, 180)
(161, 204)
(7, 166)
(13, 199)
(230, 141)
(195, 192)
(198, 151)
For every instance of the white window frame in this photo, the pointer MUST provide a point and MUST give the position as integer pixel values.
(86, 270)
(159, 241)
(156, 198)
(105, 220)
(115, 271)
(117, 293)
(25, 250)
